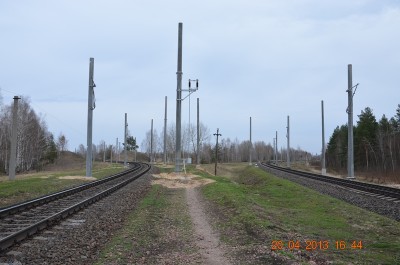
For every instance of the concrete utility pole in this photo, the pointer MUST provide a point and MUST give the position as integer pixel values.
(135, 149)
(251, 145)
(179, 102)
(288, 143)
(116, 150)
(350, 150)
(151, 142)
(91, 107)
(111, 153)
(276, 148)
(104, 151)
(125, 135)
(119, 151)
(198, 133)
(323, 170)
(216, 151)
(273, 148)
(13, 156)
(165, 132)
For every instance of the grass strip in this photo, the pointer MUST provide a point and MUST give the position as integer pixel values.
(257, 208)
(39, 184)
(159, 229)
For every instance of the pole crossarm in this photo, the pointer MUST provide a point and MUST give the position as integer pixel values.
(190, 90)
(352, 96)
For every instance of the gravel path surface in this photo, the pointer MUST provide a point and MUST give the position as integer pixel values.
(375, 204)
(79, 239)
(205, 238)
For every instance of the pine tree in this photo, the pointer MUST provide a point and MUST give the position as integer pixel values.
(365, 139)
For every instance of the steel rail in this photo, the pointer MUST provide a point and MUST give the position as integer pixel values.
(22, 234)
(61, 194)
(367, 187)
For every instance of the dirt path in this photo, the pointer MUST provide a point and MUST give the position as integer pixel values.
(205, 238)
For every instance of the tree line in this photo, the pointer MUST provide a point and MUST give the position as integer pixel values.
(229, 151)
(376, 144)
(36, 146)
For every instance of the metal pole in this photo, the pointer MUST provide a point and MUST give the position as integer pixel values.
(276, 148)
(89, 154)
(116, 150)
(216, 151)
(251, 145)
(198, 132)
(125, 134)
(5, 163)
(165, 132)
(350, 151)
(13, 156)
(273, 148)
(178, 102)
(151, 142)
(111, 153)
(189, 132)
(104, 151)
(288, 143)
(323, 170)
(119, 151)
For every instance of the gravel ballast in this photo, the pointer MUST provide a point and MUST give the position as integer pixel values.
(375, 204)
(79, 239)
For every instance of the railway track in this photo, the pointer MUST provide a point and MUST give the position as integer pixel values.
(20, 221)
(389, 193)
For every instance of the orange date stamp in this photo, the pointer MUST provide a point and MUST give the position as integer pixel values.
(312, 245)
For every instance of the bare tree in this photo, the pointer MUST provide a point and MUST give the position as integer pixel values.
(34, 142)
(82, 150)
(62, 143)
(146, 145)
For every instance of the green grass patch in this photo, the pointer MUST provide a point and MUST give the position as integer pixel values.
(160, 226)
(265, 208)
(39, 184)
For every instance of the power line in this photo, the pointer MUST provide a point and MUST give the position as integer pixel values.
(44, 111)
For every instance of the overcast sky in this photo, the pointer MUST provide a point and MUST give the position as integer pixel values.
(264, 59)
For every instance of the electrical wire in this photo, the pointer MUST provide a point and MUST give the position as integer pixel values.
(47, 114)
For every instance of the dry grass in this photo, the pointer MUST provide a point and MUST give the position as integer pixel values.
(228, 170)
(66, 173)
(389, 179)
(176, 181)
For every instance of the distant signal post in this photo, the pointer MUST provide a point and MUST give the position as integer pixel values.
(216, 151)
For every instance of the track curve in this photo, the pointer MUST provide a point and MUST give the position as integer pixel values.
(371, 197)
(20, 221)
(362, 186)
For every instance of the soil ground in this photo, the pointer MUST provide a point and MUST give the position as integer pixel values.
(171, 228)
(205, 237)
